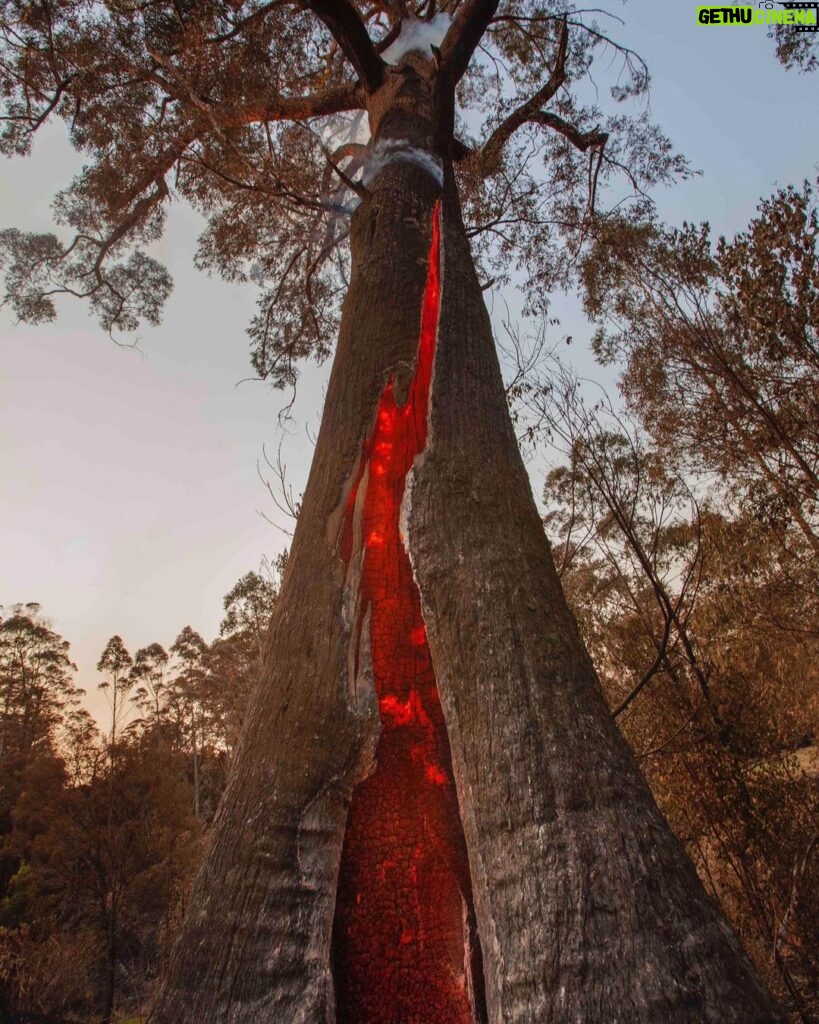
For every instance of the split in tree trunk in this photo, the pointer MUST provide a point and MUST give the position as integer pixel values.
(405, 942)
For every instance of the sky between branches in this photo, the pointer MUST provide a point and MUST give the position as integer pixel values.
(129, 493)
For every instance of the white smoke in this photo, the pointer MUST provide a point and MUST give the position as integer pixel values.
(418, 35)
(342, 129)
(389, 151)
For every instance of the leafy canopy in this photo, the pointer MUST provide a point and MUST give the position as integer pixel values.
(719, 344)
(36, 679)
(258, 115)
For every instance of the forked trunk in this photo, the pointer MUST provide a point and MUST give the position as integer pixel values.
(501, 858)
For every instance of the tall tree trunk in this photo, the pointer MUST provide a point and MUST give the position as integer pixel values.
(587, 908)
(110, 991)
(6, 717)
(195, 745)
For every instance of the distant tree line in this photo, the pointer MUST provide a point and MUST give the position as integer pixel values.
(102, 825)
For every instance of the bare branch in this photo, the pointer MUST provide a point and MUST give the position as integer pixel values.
(349, 31)
(282, 492)
(581, 140)
(490, 154)
(650, 672)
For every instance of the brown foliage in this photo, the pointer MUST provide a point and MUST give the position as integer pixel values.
(260, 115)
(686, 541)
(100, 837)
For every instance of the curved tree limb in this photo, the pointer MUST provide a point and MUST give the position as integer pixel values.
(490, 154)
(581, 140)
(349, 31)
(649, 674)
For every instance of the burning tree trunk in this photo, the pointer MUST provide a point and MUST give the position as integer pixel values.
(495, 856)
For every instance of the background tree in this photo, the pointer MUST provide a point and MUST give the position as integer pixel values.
(90, 913)
(633, 528)
(794, 49)
(235, 657)
(190, 651)
(38, 700)
(36, 692)
(115, 663)
(711, 691)
(36, 684)
(149, 675)
(97, 853)
(720, 709)
(79, 742)
(720, 348)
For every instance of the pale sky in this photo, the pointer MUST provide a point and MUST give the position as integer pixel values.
(130, 493)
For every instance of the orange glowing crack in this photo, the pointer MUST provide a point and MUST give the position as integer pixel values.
(400, 946)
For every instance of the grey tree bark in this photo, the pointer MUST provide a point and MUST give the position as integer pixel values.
(588, 909)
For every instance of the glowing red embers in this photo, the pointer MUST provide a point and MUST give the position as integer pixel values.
(401, 952)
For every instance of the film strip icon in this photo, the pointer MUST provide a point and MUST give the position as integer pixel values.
(795, 5)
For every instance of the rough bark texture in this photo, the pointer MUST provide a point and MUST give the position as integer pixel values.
(587, 908)
(255, 945)
(404, 933)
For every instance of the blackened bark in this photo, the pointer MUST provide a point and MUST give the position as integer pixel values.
(587, 908)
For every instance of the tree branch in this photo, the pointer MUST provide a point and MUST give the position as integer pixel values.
(463, 37)
(295, 108)
(582, 140)
(491, 152)
(143, 206)
(275, 108)
(530, 113)
(649, 674)
(343, 21)
(238, 27)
